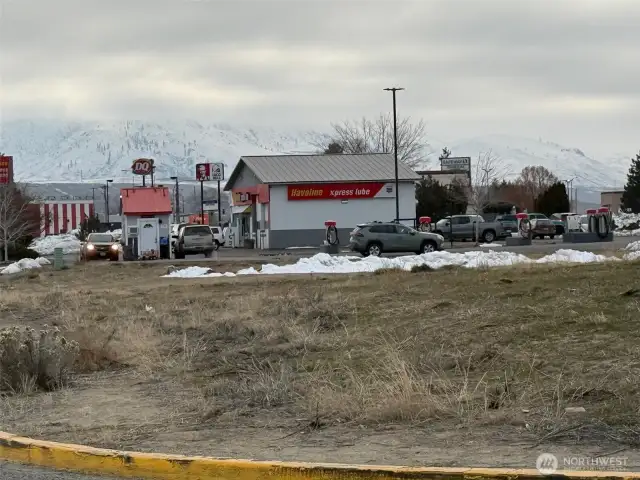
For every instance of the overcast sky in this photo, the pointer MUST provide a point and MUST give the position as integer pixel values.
(566, 70)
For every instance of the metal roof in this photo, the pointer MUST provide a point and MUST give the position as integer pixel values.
(322, 168)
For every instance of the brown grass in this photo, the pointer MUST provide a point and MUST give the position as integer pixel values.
(490, 353)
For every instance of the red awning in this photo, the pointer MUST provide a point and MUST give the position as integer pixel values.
(146, 201)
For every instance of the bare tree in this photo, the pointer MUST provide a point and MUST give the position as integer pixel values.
(15, 219)
(535, 180)
(376, 136)
(486, 171)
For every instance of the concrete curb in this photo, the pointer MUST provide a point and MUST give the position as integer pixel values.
(89, 460)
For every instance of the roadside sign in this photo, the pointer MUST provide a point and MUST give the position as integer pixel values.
(142, 166)
(456, 163)
(209, 172)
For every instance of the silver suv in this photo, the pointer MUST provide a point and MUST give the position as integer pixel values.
(193, 240)
(377, 237)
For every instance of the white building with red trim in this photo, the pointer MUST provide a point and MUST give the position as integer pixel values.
(62, 216)
(283, 201)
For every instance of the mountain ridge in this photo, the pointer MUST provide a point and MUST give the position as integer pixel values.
(67, 151)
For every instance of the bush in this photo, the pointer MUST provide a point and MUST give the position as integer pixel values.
(31, 360)
(19, 252)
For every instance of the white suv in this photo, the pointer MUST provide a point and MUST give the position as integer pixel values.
(218, 237)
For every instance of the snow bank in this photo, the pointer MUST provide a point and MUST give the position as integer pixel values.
(24, 264)
(324, 263)
(628, 224)
(46, 245)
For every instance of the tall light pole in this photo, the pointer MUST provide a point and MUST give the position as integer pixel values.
(177, 195)
(393, 90)
(569, 184)
(107, 199)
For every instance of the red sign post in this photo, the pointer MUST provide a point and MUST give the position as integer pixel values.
(6, 169)
(340, 191)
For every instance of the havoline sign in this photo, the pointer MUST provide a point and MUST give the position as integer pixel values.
(456, 163)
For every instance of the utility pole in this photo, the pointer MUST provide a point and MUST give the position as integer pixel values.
(569, 185)
(107, 199)
(219, 206)
(176, 191)
(393, 90)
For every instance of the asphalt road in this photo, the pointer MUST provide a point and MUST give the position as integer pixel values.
(538, 247)
(10, 471)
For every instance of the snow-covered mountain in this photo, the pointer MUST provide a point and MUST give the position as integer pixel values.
(60, 151)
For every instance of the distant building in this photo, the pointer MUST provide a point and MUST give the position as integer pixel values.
(611, 199)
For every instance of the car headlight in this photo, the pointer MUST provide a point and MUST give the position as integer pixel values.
(114, 246)
(90, 247)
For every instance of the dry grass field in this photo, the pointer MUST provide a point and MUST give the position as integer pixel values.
(448, 367)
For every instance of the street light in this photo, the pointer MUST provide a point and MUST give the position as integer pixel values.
(107, 199)
(177, 194)
(393, 90)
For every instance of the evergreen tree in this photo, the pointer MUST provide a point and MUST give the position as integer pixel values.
(437, 201)
(89, 225)
(631, 195)
(334, 148)
(553, 200)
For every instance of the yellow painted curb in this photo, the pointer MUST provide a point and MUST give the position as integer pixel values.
(100, 461)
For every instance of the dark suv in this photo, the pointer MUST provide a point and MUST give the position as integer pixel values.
(377, 237)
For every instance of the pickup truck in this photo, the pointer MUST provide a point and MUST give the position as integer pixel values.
(463, 227)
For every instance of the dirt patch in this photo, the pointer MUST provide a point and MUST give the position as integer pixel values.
(448, 367)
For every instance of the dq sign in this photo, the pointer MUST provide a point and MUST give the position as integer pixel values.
(142, 166)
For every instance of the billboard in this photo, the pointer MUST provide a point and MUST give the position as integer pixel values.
(456, 163)
(341, 191)
(209, 171)
(6, 169)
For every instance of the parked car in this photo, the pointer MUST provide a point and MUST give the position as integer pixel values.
(100, 245)
(560, 220)
(463, 227)
(377, 237)
(508, 222)
(542, 227)
(193, 240)
(218, 237)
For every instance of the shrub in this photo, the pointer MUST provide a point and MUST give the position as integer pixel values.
(32, 360)
(20, 252)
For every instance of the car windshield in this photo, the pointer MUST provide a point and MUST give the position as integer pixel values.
(100, 238)
(192, 231)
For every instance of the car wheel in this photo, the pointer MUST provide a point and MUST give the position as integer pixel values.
(374, 249)
(208, 254)
(551, 237)
(216, 245)
(429, 246)
(488, 236)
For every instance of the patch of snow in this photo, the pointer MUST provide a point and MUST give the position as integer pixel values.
(633, 246)
(24, 264)
(489, 245)
(325, 263)
(300, 248)
(46, 245)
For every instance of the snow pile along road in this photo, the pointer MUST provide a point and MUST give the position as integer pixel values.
(324, 263)
(24, 264)
(627, 224)
(46, 245)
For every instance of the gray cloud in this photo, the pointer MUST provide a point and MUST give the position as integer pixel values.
(470, 67)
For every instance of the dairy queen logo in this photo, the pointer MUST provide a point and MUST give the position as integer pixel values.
(142, 166)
